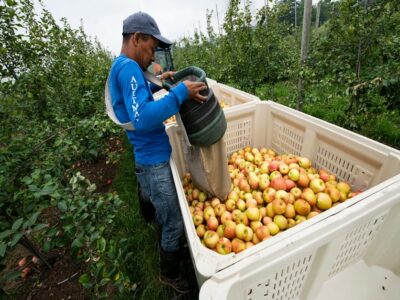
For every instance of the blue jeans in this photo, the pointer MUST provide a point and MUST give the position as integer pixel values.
(158, 186)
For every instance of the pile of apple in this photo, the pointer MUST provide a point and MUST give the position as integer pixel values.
(270, 193)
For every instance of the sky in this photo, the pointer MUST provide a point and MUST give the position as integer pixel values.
(103, 18)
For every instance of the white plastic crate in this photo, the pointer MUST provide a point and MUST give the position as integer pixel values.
(319, 258)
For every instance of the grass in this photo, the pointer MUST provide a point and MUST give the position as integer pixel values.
(142, 267)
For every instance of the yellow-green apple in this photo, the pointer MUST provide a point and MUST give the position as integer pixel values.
(270, 210)
(248, 234)
(296, 192)
(197, 219)
(212, 223)
(191, 209)
(291, 222)
(233, 195)
(242, 219)
(331, 184)
(334, 193)
(208, 213)
(282, 195)
(353, 194)
(255, 224)
(241, 231)
(249, 244)
(210, 239)
(230, 204)
(263, 181)
(290, 211)
(195, 194)
(291, 198)
(236, 214)
(200, 230)
(299, 219)
(294, 166)
(238, 245)
(200, 205)
(324, 202)
(283, 168)
(253, 214)
(274, 174)
(202, 196)
(225, 217)
(224, 246)
(302, 207)
(257, 158)
(219, 209)
(317, 185)
(281, 221)
(255, 240)
(273, 228)
(264, 168)
(206, 203)
(229, 230)
(262, 232)
(278, 206)
(249, 156)
(304, 162)
(344, 187)
(220, 230)
(269, 195)
(294, 174)
(309, 195)
(241, 204)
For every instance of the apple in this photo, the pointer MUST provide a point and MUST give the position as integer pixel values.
(317, 185)
(202, 196)
(233, 195)
(282, 195)
(219, 209)
(195, 194)
(273, 228)
(324, 175)
(257, 195)
(241, 231)
(242, 219)
(304, 162)
(220, 230)
(309, 195)
(343, 187)
(283, 168)
(278, 206)
(289, 184)
(241, 204)
(212, 223)
(197, 219)
(263, 182)
(278, 183)
(281, 221)
(262, 232)
(224, 246)
(296, 192)
(264, 168)
(215, 201)
(273, 166)
(275, 174)
(210, 239)
(238, 245)
(334, 193)
(291, 222)
(250, 202)
(226, 216)
(324, 202)
(299, 219)
(229, 230)
(244, 185)
(200, 230)
(253, 214)
(312, 214)
(208, 213)
(290, 211)
(253, 180)
(230, 204)
(302, 207)
(303, 180)
(263, 211)
(270, 210)
(22, 262)
(255, 224)
(269, 195)
(294, 174)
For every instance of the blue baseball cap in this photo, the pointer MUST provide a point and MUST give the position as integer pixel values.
(144, 23)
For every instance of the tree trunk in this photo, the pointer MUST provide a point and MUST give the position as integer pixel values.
(304, 49)
(318, 14)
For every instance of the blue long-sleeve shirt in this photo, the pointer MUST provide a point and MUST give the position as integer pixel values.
(133, 101)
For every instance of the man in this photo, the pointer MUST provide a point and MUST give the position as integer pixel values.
(132, 101)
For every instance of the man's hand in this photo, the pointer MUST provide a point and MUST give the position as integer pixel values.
(166, 75)
(194, 90)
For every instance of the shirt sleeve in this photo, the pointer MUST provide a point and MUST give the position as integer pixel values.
(145, 113)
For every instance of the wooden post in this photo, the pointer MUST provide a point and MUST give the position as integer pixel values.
(304, 48)
(318, 14)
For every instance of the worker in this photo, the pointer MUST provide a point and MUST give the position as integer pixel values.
(132, 101)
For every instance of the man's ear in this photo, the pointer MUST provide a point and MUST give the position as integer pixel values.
(135, 38)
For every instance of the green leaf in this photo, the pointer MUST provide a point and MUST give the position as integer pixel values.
(39, 227)
(3, 248)
(11, 276)
(5, 233)
(84, 278)
(16, 239)
(62, 206)
(33, 218)
(78, 242)
(101, 244)
(17, 224)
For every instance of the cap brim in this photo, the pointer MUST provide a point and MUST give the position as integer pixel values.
(162, 41)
